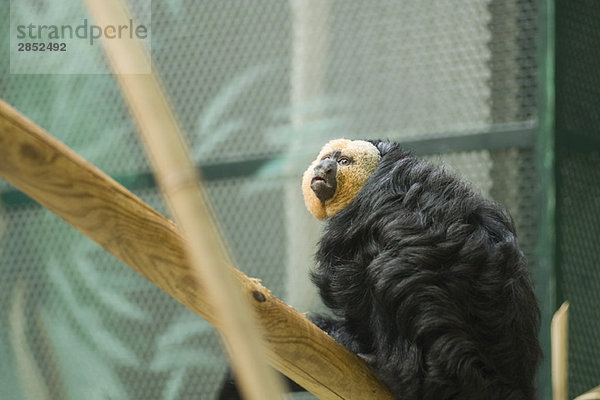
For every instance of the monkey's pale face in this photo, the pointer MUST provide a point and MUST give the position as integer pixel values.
(333, 180)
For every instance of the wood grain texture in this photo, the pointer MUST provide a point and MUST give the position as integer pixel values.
(109, 214)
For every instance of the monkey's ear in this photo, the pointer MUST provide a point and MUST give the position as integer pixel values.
(383, 146)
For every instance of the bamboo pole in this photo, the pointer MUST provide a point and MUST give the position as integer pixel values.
(560, 350)
(106, 212)
(180, 184)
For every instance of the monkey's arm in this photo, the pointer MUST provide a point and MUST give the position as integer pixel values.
(339, 331)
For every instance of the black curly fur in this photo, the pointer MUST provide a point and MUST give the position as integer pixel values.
(429, 285)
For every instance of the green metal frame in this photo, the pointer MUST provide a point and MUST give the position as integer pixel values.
(545, 273)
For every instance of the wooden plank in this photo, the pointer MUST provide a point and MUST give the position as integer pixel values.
(85, 197)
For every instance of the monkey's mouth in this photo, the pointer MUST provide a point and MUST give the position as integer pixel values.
(323, 189)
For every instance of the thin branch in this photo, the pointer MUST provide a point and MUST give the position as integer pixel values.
(560, 352)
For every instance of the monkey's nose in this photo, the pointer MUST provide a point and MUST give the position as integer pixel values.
(326, 166)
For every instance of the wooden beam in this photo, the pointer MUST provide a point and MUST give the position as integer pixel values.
(91, 201)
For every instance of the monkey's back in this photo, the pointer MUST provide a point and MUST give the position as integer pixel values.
(428, 278)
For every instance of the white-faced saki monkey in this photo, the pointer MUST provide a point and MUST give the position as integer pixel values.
(424, 276)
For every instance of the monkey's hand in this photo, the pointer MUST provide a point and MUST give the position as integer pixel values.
(339, 332)
(368, 358)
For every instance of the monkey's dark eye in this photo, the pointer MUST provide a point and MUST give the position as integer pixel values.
(344, 161)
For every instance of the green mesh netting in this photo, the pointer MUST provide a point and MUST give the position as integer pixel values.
(79, 324)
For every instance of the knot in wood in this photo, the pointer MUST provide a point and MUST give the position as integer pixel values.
(259, 296)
